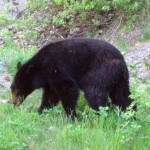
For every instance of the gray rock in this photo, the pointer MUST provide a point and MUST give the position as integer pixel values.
(74, 30)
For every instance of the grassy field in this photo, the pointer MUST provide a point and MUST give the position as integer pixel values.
(21, 128)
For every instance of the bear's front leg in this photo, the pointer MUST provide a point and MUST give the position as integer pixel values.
(69, 96)
(49, 99)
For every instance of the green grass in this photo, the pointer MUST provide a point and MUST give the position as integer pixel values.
(146, 31)
(21, 128)
(122, 45)
(11, 54)
(5, 18)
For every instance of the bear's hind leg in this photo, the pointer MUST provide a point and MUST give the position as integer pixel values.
(96, 97)
(49, 99)
(95, 87)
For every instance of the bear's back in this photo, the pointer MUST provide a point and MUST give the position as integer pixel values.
(78, 56)
(82, 47)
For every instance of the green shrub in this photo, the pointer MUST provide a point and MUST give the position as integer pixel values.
(5, 17)
(129, 9)
(34, 4)
(11, 54)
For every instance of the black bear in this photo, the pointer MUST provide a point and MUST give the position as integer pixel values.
(65, 67)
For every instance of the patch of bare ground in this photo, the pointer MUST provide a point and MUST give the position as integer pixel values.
(4, 79)
(138, 59)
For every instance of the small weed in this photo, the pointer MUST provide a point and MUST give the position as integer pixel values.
(6, 18)
(5, 33)
(146, 63)
(36, 4)
(88, 35)
(133, 66)
(31, 34)
(122, 44)
(146, 33)
(145, 29)
(19, 54)
(96, 22)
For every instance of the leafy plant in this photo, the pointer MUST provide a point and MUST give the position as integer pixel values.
(129, 9)
(6, 18)
(19, 54)
(35, 4)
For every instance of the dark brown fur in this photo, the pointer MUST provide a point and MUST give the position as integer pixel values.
(65, 67)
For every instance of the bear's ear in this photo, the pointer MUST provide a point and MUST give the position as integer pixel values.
(19, 65)
(30, 69)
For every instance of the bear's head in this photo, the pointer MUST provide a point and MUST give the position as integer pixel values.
(21, 86)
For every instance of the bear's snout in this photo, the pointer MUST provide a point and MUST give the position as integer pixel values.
(16, 99)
